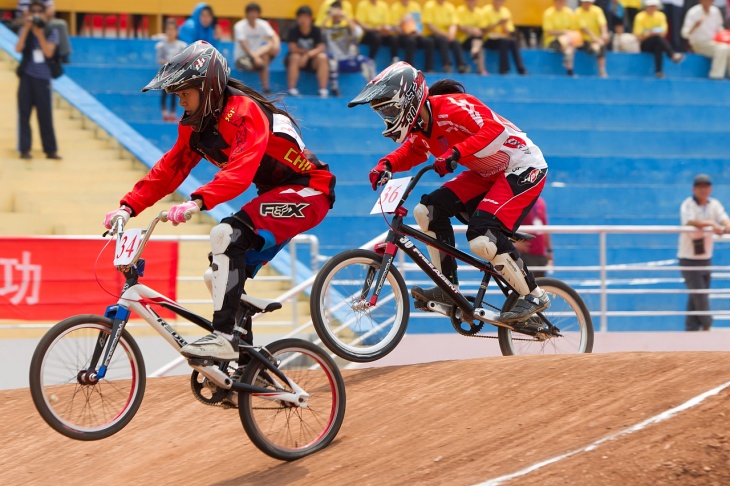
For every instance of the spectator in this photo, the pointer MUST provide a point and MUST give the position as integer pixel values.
(201, 25)
(255, 44)
(64, 42)
(439, 17)
(631, 8)
(405, 15)
(37, 41)
(624, 41)
(650, 27)
(695, 248)
(673, 10)
(470, 33)
(373, 16)
(325, 6)
(500, 36)
(592, 23)
(559, 34)
(306, 52)
(341, 34)
(537, 252)
(166, 49)
(701, 24)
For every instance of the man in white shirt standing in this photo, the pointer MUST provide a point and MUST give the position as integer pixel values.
(701, 24)
(255, 44)
(695, 248)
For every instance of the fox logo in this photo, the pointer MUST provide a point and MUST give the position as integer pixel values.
(283, 210)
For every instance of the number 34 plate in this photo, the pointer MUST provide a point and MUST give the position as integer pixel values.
(391, 195)
(127, 246)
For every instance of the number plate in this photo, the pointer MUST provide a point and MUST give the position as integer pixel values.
(391, 195)
(127, 246)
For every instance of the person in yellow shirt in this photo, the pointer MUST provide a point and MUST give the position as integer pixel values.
(470, 32)
(325, 7)
(650, 27)
(500, 36)
(440, 21)
(592, 23)
(559, 32)
(405, 16)
(631, 9)
(373, 16)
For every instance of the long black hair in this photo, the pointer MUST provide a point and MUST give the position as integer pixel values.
(446, 86)
(260, 99)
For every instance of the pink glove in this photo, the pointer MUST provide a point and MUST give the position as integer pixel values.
(124, 212)
(177, 213)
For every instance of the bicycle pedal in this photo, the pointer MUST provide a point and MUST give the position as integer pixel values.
(200, 362)
(421, 305)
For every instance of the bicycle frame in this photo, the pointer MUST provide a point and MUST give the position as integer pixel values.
(139, 298)
(398, 238)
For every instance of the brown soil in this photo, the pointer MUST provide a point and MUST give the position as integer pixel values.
(451, 422)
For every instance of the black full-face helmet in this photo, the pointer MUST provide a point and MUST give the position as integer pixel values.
(397, 94)
(201, 66)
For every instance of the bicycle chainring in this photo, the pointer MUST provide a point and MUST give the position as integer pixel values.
(206, 391)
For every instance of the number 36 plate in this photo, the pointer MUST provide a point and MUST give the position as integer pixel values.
(391, 195)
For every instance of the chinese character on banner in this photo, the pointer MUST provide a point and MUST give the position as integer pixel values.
(46, 278)
(21, 279)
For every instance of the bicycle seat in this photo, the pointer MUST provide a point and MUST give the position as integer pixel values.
(261, 305)
(518, 236)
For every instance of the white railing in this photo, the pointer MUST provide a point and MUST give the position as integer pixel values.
(602, 268)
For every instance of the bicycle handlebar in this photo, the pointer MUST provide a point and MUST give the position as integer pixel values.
(413, 183)
(118, 230)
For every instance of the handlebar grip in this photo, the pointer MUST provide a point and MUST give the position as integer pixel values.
(453, 165)
(163, 216)
(187, 215)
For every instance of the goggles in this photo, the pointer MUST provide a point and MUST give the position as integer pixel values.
(388, 111)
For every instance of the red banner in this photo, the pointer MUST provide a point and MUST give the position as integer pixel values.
(54, 278)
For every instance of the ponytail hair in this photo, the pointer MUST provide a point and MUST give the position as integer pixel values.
(446, 86)
(260, 99)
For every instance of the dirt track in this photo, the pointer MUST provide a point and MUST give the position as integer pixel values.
(439, 423)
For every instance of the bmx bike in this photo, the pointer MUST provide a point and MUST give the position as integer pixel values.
(360, 306)
(87, 374)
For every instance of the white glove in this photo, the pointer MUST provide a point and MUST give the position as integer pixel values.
(180, 213)
(124, 212)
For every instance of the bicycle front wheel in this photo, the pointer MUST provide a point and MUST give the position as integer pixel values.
(341, 312)
(71, 404)
(283, 430)
(567, 312)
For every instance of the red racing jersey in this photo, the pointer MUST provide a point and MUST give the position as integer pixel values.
(488, 143)
(249, 144)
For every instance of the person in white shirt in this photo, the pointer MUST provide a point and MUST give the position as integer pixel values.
(255, 44)
(695, 248)
(701, 24)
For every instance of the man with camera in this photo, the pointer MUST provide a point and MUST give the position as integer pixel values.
(37, 41)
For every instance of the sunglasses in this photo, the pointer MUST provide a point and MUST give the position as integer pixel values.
(36, 11)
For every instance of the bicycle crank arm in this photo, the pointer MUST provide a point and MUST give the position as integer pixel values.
(439, 307)
(212, 372)
(490, 317)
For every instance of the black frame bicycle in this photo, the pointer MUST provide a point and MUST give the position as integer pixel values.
(360, 305)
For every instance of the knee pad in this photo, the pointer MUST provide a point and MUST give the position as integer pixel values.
(484, 246)
(423, 216)
(219, 270)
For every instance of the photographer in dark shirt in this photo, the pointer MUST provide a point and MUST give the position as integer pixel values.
(37, 41)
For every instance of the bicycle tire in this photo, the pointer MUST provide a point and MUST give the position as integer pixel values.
(279, 429)
(567, 311)
(99, 410)
(344, 321)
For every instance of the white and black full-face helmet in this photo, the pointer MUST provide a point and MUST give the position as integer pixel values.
(397, 94)
(201, 66)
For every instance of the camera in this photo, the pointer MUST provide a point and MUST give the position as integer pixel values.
(38, 21)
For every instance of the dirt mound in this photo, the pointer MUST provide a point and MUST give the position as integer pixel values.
(453, 422)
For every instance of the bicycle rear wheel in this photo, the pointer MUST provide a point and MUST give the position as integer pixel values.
(342, 315)
(70, 404)
(280, 429)
(567, 312)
